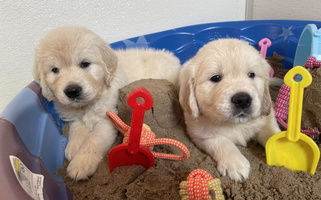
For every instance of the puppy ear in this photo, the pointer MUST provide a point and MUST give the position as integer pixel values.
(266, 101)
(110, 61)
(39, 77)
(187, 96)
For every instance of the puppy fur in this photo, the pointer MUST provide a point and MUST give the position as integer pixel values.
(81, 74)
(224, 92)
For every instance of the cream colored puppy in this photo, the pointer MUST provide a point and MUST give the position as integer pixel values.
(224, 92)
(82, 74)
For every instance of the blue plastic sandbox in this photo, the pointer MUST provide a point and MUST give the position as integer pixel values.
(31, 130)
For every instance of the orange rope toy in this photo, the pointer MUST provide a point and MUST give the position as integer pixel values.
(198, 186)
(148, 139)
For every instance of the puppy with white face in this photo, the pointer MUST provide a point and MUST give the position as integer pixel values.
(81, 74)
(224, 92)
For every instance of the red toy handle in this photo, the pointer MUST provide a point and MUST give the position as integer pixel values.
(139, 107)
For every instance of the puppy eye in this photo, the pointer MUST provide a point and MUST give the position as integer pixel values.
(251, 74)
(216, 78)
(55, 70)
(84, 64)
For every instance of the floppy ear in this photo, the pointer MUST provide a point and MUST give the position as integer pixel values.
(187, 96)
(39, 77)
(266, 101)
(110, 61)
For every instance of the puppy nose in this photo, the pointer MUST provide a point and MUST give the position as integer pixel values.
(73, 91)
(241, 100)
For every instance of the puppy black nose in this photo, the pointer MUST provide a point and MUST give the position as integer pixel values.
(241, 100)
(73, 91)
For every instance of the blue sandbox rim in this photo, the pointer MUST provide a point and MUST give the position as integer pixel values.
(185, 41)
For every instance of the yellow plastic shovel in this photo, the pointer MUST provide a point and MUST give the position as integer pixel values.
(291, 148)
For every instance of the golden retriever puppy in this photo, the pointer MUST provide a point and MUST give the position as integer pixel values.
(224, 92)
(81, 74)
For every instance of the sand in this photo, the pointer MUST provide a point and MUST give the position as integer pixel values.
(311, 114)
(162, 181)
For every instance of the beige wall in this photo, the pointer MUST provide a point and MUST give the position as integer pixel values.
(286, 9)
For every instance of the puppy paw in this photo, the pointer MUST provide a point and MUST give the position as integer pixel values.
(236, 167)
(78, 133)
(81, 167)
(71, 149)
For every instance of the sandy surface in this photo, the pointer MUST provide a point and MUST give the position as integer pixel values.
(162, 181)
(311, 114)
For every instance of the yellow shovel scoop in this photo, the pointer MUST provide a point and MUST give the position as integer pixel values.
(291, 148)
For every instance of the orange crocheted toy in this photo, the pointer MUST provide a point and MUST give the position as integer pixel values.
(198, 184)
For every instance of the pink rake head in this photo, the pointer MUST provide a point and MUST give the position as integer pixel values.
(265, 43)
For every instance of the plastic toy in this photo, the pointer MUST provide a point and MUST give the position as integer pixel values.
(309, 45)
(308, 54)
(281, 108)
(132, 153)
(198, 186)
(145, 141)
(292, 148)
(265, 43)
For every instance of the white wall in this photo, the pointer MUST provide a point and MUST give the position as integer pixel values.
(287, 9)
(24, 22)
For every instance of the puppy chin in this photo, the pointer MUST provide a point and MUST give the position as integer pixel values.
(241, 118)
(244, 116)
(78, 102)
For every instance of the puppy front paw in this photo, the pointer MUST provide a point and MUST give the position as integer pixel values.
(72, 149)
(236, 167)
(81, 167)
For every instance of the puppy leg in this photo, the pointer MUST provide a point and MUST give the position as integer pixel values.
(77, 135)
(229, 159)
(270, 128)
(92, 151)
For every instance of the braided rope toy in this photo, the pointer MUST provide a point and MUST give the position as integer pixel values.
(148, 139)
(198, 186)
(282, 101)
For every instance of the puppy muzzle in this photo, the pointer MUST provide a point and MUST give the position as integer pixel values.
(241, 103)
(73, 92)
